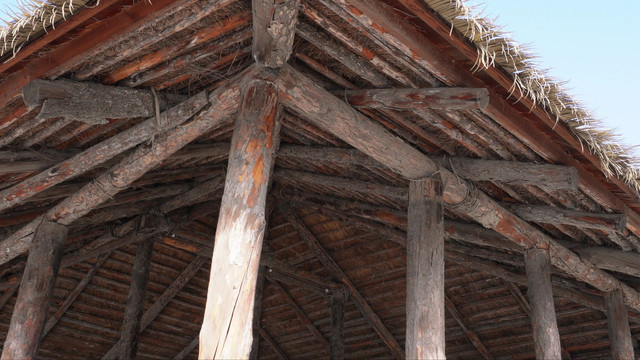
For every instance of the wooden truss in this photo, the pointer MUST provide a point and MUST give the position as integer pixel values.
(258, 97)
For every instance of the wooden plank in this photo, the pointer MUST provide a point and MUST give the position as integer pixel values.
(93, 103)
(337, 301)
(224, 99)
(425, 270)
(424, 98)
(313, 103)
(473, 337)
(581, 219)
(226, 329)
(274, 25)
(354, 294)
(38, 280)
(618, 325)
(272, 343)
(543, 314)
(135, 301)
(73, 295)
(129, 169)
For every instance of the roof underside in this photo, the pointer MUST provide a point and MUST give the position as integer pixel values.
(194, 45)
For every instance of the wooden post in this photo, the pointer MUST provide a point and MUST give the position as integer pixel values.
(274, 25)
(618, 323)
(39, 278)
(543, 313)
(257, 314)
(226, 329)
(425, 270)
(337, 300)
(135, 300)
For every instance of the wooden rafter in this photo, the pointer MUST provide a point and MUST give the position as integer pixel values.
(354, 294)
(428, 98)
(553, 215)
(473, 337)
(337, 301)
(272, 343)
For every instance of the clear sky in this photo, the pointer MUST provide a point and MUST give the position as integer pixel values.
(591, 44)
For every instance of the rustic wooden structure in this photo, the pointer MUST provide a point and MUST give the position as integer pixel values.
(302, 179)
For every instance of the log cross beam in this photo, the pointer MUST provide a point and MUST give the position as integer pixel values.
(313, 103)
(360, 302)
(274, 23)
(226, 329)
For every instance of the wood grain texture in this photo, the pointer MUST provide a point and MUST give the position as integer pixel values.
(424, 98)
(274, 24)
(618, 325)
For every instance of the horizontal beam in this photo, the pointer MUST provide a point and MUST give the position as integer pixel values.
(554, 215)
(426, 98)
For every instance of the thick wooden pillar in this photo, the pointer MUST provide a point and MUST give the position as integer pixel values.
(39, 278)
(425, 270)
(543, 312)
(618, 323)
(337, 300)
(135, 300)
(226, 329)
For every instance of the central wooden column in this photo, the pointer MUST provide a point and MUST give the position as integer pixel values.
(543, 312)
(226, 329)
(39, 278)
(425, 271)
(618, 324)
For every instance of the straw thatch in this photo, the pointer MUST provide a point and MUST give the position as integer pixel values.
(495, 48)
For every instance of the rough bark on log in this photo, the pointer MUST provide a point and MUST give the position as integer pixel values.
(135, 301)
(581, 219)
(618, 325)
(93, 103)
(425, 270)
(543, 314)
(226, 329)
(274, 25)
(121, 175)
(337, 301)
(426, 98)
(39, 278)
(607, 258)
(329, 113)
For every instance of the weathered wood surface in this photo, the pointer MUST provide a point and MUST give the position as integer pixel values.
(607, 258)
(546, 176)
(121, 175)
(425, 270)
(473, 337)
(224, 100)
(274, 25)
(257, 313)
(424, 98)
(226, 329)
(618, 325)
(329, 113)
(543, 314)
(39, 278)
(554, 215)
(135, 301)
(93, 103)
(354, 294)
(337, 302)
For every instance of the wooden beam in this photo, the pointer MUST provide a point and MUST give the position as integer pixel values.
(303, 278)
(274, 25)
(121, 175)
(543, 314)
(581, 219)
(226, 329)
(39, 278)
(424, 98)
(607, 258)
(316, 105)
(93, 103)
(354, 294)
(337, 300)
(473, 337)
(161, 302)
(73, 295)
(300, 313)
(272, 343)
(135, 301)
(224, 99)
(618, 325)
(425, 270)
(186, 351)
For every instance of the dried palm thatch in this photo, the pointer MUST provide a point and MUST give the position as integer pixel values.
(496, 48)
(30, 17)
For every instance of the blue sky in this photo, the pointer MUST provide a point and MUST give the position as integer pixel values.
(591, 44)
